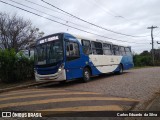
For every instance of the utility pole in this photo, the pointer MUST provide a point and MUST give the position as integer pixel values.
(152, 27)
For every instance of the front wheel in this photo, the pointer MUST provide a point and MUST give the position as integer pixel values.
(86, 75)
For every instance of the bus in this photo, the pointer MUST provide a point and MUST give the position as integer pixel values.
(64, 57)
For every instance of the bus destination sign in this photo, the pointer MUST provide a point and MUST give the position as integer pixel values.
(48, 39)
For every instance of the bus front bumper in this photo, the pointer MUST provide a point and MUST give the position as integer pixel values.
(59, 76)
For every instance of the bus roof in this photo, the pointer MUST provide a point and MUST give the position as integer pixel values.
(92, 39)
(98, 40)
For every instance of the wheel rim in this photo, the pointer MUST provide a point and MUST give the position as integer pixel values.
(86, 75)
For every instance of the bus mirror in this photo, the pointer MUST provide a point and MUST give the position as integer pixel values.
(71, 47)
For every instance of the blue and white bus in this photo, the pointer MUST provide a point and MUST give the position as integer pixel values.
(64, 57)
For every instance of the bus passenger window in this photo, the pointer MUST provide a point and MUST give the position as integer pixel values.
(86, 47)
(122, 50)
(128, 51)
(97, 48)
(107, 49)
(115, 49)
(75, 49)
(72, 51)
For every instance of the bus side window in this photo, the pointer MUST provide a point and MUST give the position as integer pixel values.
(86, 47)
(107, 49)
(128, 51)
(115, 49)
(67, 47)
(72, 51)
(122, 50)
(97, 48)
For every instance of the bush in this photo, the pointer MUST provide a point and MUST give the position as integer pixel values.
(142, 60)
(15, 68)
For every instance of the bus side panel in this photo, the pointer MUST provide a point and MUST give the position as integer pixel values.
(127, 62)
(105, 63)
(74, 69)
(95, 71)
(130, 62)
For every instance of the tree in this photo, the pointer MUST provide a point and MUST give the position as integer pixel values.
(145, 53)
(143, 59)
(16, 33)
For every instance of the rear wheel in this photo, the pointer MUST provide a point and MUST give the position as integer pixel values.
(120, 69)
(86, 75)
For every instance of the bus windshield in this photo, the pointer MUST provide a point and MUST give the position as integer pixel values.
(49, 53)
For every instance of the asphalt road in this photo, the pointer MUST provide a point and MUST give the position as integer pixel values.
(61, 101)
(139, 84)
(103, 93)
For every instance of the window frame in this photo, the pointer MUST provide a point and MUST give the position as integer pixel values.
(90, 50)
(122, 51)
(114, 53)
(96, 48)
(107, 49)
(128, 52)
(71, 57)
(128, 48)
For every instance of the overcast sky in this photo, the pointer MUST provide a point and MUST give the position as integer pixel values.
(130, 17)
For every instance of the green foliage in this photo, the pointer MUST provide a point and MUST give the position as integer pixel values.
(15, 68)
(141, 60)
(145, 59)
(157, 62)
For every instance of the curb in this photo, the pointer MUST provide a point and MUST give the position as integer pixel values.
(153, 101)
(21, 87)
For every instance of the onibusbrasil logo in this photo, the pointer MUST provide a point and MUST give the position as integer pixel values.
(21, 114)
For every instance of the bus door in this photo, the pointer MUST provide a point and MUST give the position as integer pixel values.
(73, 60)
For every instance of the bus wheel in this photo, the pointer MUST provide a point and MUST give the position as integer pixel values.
(86, 75)
(120, 69)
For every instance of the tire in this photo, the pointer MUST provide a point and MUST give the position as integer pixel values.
(120, 69)
(86, 75)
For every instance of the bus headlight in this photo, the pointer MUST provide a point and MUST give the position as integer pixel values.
(61, 67)
(59, 70)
